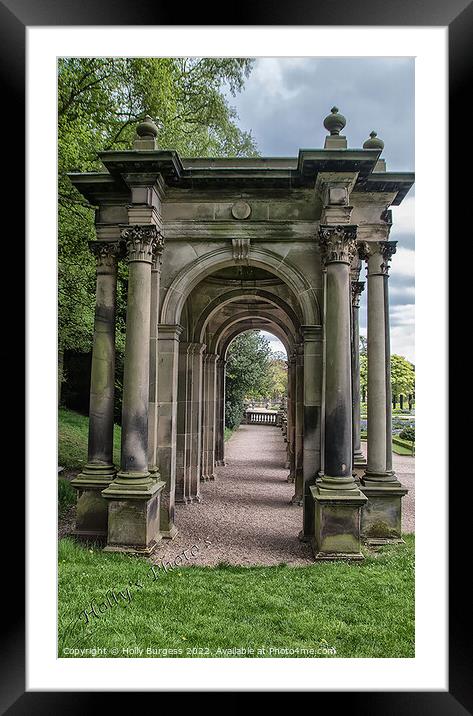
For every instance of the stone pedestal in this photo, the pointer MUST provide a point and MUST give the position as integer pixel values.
(99, 471)
(337, 524)
(133, 519)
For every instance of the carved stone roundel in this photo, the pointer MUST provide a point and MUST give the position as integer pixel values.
(241, 210)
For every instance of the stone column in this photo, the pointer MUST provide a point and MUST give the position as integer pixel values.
(220, 413)
(168, 352)
(313, 357)
(204, 461)
(291, 389)
(337, 498)
(182, 438)
(153, 360)
(357, 289)
(381, 518)
(133, 523)
(299, 431)
(99, 471)
(195, 429)
(212, 414)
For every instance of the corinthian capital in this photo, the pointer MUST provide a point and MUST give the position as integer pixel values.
(377, 254)
(338, 243)
(356, 291)
(142, 242)
(106, 254)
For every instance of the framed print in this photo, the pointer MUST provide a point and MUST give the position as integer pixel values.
(236, 353)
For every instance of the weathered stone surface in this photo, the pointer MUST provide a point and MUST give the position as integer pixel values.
(250, 243)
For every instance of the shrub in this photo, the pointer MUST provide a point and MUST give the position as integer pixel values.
(409, 433)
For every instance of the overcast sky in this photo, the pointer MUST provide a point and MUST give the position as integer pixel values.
(284, 104)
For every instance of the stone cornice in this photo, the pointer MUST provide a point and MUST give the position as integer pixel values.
(338, 243)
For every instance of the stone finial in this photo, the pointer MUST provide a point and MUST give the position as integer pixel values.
(334, 122)
(146, 133)
(374, 142)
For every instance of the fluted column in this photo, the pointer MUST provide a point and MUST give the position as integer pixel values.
(381, 520)
(134, 481)
(356, 291)
(337, 498)
(99, 471)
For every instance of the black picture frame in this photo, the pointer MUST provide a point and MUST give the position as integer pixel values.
(15, 17)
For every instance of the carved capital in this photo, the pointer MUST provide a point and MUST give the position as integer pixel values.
(142, 242)
(106, 254)
(357, 288)
(338, 243)
(378, 254)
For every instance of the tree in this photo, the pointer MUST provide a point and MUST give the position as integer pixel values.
(248, 364)
(100, 101)
(402, 375)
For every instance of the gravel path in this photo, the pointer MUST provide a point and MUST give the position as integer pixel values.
(246, 516)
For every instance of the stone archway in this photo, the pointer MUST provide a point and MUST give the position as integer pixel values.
(308, 221)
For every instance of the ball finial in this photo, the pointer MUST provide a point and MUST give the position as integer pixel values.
(147, 129)
(335, 121)
(374, 142)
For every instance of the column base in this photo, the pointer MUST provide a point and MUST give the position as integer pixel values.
(92, 509)
(337, 522)
(381, 516)
(170, 533)
(133, 513)
(297, 500)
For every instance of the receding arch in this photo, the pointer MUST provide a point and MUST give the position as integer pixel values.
(188, 278)
(253, 324)
(224, 299)
(259, 321)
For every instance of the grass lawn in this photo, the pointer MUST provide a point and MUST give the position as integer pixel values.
(359, 609)
(73, 433)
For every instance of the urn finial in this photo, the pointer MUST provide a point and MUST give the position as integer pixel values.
(374, 142)
(334, 122)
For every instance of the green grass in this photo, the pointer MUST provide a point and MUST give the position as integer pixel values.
(228, 433)
(361, 609)
(404, 448)
(73, 433)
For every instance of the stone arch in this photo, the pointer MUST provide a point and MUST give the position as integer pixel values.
(258, 318)
(188, 278)
(227, 337)
(234, 295)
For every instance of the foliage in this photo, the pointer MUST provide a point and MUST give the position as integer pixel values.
(276, 378)
(66, 495)
(72, 440)
(100, 100)
(313, 606)
(402, 375)
(409, 433)
(248, 364)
